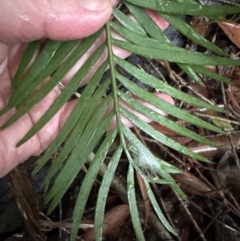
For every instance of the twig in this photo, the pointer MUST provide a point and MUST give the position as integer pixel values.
(49, 225)
(191, 217)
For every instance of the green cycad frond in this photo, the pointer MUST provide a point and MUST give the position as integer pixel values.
(88, 122)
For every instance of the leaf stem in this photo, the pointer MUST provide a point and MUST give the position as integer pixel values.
(114, 84)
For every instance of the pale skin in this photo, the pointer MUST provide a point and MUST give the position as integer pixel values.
(22, 22)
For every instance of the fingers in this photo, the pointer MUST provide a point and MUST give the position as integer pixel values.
(127, 122)
(162, 24)
(3, 56)
(162, 96)
(17, 51)
(26, 20)
(10, 156)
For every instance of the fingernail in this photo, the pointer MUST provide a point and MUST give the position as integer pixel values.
(95, 5)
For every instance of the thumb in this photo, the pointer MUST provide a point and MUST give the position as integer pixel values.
(27, 20)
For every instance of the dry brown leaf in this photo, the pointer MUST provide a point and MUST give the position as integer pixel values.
(111, 199)
(145, 198)
(234, 97)
(222, 141)
(232, 30)
(113, 220)
(200, 25)
(175, 136)
(191, 184)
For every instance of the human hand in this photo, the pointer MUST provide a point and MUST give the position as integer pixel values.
(25, 21)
